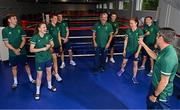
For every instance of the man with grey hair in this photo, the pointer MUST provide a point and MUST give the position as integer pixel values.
(165, 68)
(102, 36)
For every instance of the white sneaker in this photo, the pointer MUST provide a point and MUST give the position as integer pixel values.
(106, 59)
(58, 78)
(62, 65)
(72, 63)
(134, 80)
(112, 60)
(141, 68)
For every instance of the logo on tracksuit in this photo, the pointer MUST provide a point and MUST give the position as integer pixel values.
(19, 31)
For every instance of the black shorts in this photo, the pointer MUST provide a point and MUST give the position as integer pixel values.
(112, 43)
(19, 59)
(144, 53)
(131, 56)
(56, 50)
(42, 66)
(66, 46)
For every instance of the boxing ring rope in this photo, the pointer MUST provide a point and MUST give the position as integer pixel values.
(82, 37)
(30, 26)
(87, 28)
(92, 22)
(26, 26)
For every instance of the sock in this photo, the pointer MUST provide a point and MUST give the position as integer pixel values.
(49, 85)
(38, 89)
(30, 78)
(15, 80)
(122, 69)
(56, 75)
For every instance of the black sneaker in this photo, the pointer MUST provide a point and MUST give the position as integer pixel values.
(14, 86)
(178, 97)
(135, 80)
(53, 89)
(150, 73)
(37, 96)
(102, 69)
(95, 70)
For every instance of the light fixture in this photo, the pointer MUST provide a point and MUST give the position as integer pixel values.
(64, 0)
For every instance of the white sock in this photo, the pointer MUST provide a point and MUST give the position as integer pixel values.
(38, 89)
(49, 85)
(15, 80)
(122, 69)
(56, 75)
(134, 76)
(30, 78)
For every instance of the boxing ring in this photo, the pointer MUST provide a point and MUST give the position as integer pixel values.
(80, 38)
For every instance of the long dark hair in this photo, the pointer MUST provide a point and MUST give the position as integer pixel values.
(135, 19)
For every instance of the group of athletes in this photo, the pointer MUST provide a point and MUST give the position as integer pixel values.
(52, 39)
(48, 41)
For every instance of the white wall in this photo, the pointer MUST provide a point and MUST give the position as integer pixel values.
(4, 54)
(169, 17)
(162, 13)
(141, 14)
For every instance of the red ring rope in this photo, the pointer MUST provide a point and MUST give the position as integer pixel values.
(25, 24)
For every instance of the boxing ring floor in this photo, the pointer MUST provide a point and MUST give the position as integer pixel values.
(80, 89)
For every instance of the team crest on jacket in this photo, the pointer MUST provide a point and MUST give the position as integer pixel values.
(19, 31)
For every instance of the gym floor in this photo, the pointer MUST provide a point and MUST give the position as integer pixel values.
(80, 89)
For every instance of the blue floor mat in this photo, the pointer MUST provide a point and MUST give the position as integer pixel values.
(80, 89)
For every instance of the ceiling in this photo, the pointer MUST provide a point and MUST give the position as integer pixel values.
(64, 1)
